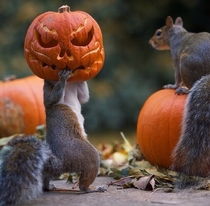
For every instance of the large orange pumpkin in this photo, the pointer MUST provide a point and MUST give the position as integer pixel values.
(21, 106)
(159, 126)
(64, 40)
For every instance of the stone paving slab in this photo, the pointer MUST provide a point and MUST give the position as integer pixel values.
(120, 197)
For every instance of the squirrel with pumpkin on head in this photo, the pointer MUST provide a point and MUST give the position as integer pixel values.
(27, 165)
(190, 53)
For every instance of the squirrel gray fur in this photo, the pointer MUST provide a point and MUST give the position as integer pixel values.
(189, 52)
(191, 155)
(190, 55)
(21, 165)
(27, 165)
(65, 132)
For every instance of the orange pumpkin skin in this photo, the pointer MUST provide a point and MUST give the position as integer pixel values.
(64, 39)
(21, 106)
(159, 126)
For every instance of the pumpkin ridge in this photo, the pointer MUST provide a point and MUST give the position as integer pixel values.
(158, 153)
(17, 103)
(140, 130)
(29, 105)
(159, 126)
(171, 122)
(64, 39)
(35, 85)
(35, 98)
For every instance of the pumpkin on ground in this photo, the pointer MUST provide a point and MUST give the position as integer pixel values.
(21, 106)
(64, 40)
(159, 126)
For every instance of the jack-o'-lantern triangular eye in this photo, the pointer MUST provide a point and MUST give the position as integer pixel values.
(78, 41)
(64, 40)
(51, 43)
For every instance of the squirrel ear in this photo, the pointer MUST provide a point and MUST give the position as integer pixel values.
(169, 21)
(179, 21)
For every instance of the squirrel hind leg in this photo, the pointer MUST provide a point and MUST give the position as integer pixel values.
(89, 190)
(53, 168)
(84, 184)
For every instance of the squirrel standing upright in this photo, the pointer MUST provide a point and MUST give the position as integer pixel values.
(65, 133)
(191, 57)
(27, 165)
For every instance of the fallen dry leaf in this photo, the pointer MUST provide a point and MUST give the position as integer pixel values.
(145, 183)
(121, 182)
(119, 158)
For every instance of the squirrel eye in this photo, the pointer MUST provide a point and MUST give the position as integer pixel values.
(158, 33)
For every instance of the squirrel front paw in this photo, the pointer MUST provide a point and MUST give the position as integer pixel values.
(182, 90)
(49, 187)
(170, 86)
(65, 73)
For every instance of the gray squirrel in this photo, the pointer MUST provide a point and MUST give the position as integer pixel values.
(27, 165)
(191, 57)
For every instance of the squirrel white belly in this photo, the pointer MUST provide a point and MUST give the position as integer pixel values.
(27, 165)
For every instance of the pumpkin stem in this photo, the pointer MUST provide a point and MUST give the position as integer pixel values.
(64, 8)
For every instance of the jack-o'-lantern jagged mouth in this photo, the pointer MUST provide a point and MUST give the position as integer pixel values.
(53, 67)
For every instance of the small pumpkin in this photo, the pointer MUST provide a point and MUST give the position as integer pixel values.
(64, 40)
(21, 106)
(159, 126)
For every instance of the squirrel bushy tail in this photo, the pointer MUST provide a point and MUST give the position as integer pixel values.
(65, 132)
(191, 155)
(21, 166)
(27, 165)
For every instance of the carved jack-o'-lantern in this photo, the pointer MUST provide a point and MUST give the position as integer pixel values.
(64, 40)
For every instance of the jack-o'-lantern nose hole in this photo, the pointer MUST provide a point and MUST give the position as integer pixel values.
(65, 39)
(68, 53)
(83, 41)
(48, 44)
(44, 64)
(53, 67)
(63, 52)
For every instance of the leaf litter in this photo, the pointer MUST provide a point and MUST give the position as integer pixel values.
(130, 169)
(126, 164)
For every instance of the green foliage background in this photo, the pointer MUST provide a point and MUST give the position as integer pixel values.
(132, 70)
